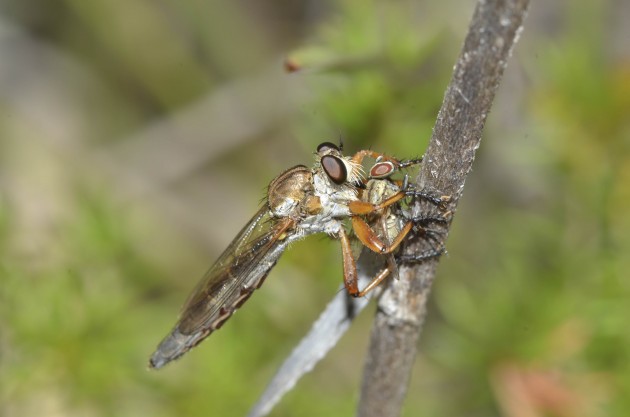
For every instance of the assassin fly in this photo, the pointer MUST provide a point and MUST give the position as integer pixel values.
(300, 201)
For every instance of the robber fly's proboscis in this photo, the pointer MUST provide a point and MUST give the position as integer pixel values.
(300, 201)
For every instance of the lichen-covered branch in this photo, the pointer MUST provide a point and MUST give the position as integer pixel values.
(494, 30)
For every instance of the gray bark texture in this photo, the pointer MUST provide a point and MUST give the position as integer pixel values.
(494, 29)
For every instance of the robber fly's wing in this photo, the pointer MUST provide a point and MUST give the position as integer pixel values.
(240, 269)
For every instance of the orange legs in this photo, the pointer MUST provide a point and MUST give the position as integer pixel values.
(366, 234)
(364, 207)
(368, 237)
(371, 240)
(350, 278)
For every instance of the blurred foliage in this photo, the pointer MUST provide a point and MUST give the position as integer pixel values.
(136, 137)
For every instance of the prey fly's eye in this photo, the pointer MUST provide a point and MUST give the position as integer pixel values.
(382, 169)
(326, 146)
(334, 168)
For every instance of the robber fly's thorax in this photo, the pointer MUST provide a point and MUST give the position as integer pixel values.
(290, 193)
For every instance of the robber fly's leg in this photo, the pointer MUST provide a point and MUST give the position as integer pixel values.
(409, 162)
(350, 279)
(363, 207)
(384, 273)
(374, 283)
(369, 238)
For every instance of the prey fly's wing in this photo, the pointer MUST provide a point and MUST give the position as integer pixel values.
(240, 269)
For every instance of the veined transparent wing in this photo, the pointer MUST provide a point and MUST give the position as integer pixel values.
(240, 269)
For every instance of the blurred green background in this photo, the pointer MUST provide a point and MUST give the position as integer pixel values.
(137, 137)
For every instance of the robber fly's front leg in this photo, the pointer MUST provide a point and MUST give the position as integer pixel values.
(359, 207)
(364, 232)
(350, 276)
(370, 239)
(363, 207)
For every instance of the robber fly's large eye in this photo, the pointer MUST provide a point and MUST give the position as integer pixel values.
(326, 146)
(335, 169)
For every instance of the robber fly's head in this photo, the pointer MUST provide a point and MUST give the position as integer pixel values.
(339, 169)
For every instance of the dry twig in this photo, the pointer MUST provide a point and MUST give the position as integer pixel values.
(494, 30)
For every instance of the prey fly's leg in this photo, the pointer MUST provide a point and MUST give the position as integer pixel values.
(422, 256)
(421, 227)
(409, 162)
(439, 200)
(430, 236)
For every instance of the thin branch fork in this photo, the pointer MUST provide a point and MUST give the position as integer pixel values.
(495, 28)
